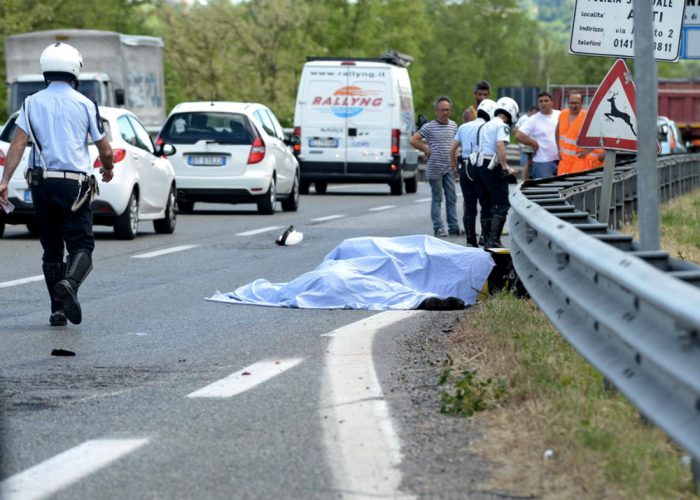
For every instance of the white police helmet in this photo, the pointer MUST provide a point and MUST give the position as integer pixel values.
(61, 58)
(486, 109)
(510, 107)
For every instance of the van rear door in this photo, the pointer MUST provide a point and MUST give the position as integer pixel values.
(369, 120)
(323, 123)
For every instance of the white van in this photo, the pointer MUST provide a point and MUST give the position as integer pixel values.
(353, 120)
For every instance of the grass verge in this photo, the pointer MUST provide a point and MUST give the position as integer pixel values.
(549, 426)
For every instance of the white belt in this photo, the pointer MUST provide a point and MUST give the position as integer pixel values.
(60, 174)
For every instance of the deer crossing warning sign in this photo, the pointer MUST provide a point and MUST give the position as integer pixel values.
(611, 121)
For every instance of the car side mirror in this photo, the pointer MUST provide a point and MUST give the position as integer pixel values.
(165, 149)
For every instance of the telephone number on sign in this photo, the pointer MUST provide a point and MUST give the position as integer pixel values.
(626, 43)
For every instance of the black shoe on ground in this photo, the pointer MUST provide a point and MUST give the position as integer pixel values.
(58, 319)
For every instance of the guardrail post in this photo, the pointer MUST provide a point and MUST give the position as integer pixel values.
(606, 190)
(695, 471)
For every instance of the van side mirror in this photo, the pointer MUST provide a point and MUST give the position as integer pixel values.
(119, 97)
(422, 120)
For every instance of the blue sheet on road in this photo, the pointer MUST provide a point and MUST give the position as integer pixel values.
(376, 274)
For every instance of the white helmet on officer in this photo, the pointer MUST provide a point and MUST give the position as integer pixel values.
(486, 109)
(509, 106)
(60, 61)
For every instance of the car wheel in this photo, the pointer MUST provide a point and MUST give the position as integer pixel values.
(291, 204)
(396, 187)
(411, 184)
(185, 206)
(304, 186)
(126, 225)
(321, 187)
(269, 202)
(166, 225)
(33, 228)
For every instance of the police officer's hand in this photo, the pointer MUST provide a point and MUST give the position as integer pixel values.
(3, 190)
(107, 174)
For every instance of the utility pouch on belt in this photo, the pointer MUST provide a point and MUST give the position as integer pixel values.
(91, 190)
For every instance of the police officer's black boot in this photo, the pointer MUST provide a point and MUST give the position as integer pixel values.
(485, 231)
(494, 240)
(53, 273)
(79, 266)
(470, 230)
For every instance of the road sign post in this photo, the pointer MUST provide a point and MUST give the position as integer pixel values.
(606, 189)
(646, 75)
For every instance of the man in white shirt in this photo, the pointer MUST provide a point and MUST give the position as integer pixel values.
(539, 132)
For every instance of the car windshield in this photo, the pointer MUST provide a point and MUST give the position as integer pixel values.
(224, 128)
(10, 129)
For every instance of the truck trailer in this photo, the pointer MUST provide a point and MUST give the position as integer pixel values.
(118, 70)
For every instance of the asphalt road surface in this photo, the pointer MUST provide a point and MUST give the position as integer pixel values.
(173, 396)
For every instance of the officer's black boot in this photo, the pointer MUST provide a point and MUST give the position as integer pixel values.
(494, 240)
(79, 266)
(53, 273)
(470, 230)
(485, 231)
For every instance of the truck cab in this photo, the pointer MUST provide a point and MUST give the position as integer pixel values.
(95, 86)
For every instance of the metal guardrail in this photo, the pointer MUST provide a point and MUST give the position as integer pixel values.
(634, 315)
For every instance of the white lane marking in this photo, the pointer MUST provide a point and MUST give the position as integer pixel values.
(258, 231)
(165, 251)
(383, 207)
(422, 200)
(22, 281)
(362, 444)
(66, 468)
(328, 217)
(245, 379)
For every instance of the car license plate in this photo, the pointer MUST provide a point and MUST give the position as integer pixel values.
(323, 142)
(28, 196)
(207, 160)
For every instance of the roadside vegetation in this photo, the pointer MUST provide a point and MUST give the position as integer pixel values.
(254, 50)
(550, 428)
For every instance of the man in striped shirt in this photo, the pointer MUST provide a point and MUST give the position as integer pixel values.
(434, 139)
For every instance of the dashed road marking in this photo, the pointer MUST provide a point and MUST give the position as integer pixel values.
(245, 379)
(22, 281)
(66, 468)
(258, 231)
(165, 251)
(328, 217)
(422, 200)
(383, 207)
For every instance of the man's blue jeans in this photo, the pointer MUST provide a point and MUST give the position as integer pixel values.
(543, 169)
(445, 184)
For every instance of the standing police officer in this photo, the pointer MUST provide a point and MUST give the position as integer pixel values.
(58, 120)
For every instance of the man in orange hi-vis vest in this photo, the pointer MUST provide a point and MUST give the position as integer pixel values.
(574, 159)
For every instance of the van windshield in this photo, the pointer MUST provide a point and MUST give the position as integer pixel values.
(224, 128)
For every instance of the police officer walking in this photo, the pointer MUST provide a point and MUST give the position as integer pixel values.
(58, 120)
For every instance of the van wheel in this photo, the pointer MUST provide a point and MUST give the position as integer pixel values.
(321, 187)
(269, 202)
(396, 187)
(126, 225)
(411, 184)
(304, 187)
(291, 204)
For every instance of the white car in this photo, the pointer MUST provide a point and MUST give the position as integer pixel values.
(229, 152)
(143, 186)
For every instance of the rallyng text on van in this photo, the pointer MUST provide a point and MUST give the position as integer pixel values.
(353, 120)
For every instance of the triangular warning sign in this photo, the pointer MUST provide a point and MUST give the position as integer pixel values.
(611, 121)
